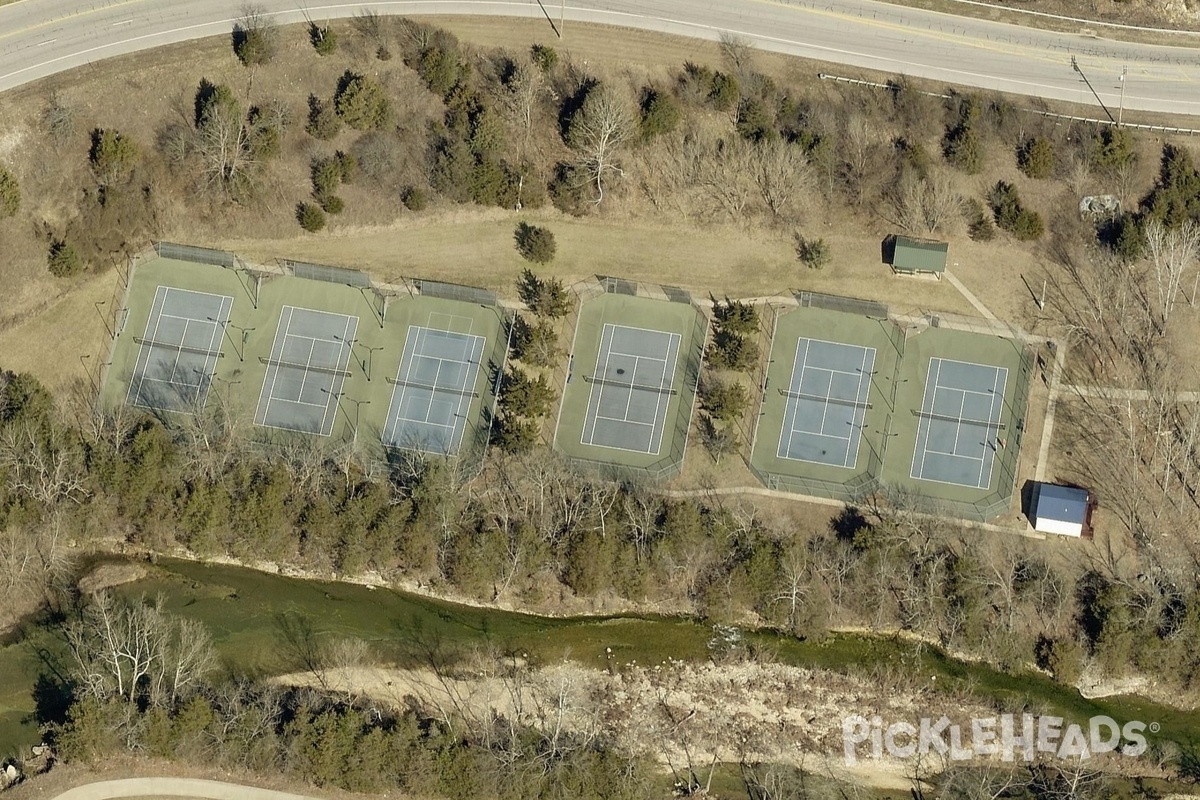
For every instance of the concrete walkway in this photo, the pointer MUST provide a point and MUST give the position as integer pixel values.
(1060, 358)
(174, 787)
(968, 296)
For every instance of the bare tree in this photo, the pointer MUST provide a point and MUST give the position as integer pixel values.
(1171, 252)
(223, 144)
(782, 174)
(925, 205)
(525, 89)
(136, 650)
(598, 132)
(37, 463)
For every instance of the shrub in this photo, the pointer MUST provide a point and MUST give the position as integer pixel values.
(348, 163)
(729, 350)
(545, 298)
(323, 39)
(735, 316)
(326, 176)
(10, 194)
(755, 121)
(535, 344)
(964, 150)
(534, 243)
(383, 53)
(813, 253)
(323, 121)
(544, 57)
(254, 39)
(332, 204)
(310, 217)
(1036, 158)
(660, 113)
(112, 156)
(453, 164)
(724, 92)
(979, 223)
(1113, 148)
(1011, 216)
(63, 260)
(361, 102)
(723, 400)
(1028, 225)
(1176, 197)
(213, 99)
(441, 69)
(414, 198)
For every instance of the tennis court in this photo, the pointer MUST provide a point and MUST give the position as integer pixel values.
(826, 402)
(434, 387)
(178, 354)
(306, 370)
(958, 427)
(630, 392)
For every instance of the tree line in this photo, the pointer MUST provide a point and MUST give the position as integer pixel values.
(532, 528)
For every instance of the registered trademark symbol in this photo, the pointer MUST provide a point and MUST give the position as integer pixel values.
(1154, 727)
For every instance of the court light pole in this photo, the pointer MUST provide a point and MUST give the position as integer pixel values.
(83, 360)
(358, 404)
(370, 361)
(111, 333)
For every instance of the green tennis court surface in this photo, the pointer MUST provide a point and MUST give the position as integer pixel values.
(320, 356)
(631, 385)
(852, 406)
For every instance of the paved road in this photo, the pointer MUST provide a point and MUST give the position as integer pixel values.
(41, 37)
(173, 787)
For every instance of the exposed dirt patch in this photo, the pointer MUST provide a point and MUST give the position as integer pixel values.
(106, 576)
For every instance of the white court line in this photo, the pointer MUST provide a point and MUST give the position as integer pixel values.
(594, 416)
(332, 401)
(791, 407)
(859, 398)
(274, 368)
(842, 345)
(923, 422)
(179, 353)
(658, 401)
(160, 297)
(608, 329)
(997, 390)
(626, 422)
(962, 406)
(629, 400)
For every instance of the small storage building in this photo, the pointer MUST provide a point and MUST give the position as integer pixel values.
(911, 256)
(1064, 510)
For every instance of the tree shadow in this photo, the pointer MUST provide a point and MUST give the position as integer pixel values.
(848, 522)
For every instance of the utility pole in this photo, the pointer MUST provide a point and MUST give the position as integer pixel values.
(562, 18)
(1121, 108)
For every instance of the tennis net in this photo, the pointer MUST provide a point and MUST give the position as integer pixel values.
(837, 401)
(997, 424)
(638, 386)
(271, 362)
(460, 392)
(179, 347)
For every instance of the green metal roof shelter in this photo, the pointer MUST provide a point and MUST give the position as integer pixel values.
(919, 255)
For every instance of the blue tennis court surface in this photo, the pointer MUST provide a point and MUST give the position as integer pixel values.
(959, 425)
(179, 351)
(306, 371)
(632, 389)
(826, 402)
(433, 390)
